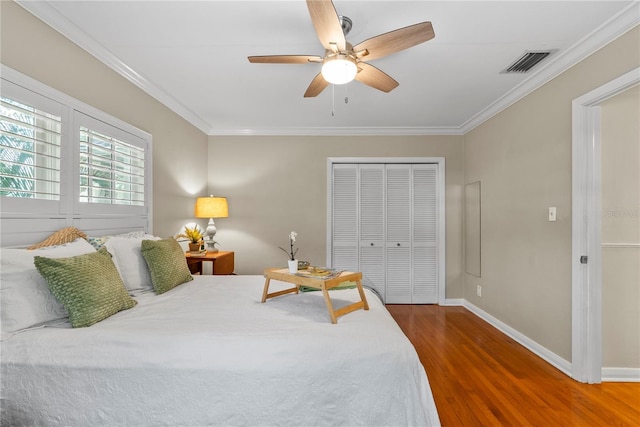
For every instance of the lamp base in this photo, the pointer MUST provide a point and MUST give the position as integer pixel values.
(210, 233)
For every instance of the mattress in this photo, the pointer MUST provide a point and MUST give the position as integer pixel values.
(209, 353)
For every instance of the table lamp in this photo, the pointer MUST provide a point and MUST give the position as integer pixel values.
(211, 207)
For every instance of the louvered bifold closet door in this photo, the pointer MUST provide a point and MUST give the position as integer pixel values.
(398, 238)
(345, 217)
(372, 225)
(425, 237)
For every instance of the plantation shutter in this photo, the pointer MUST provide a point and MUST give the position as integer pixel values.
(31, 132)
(64, 163)
(112, 166)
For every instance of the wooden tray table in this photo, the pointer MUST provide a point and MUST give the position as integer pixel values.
(283, 275)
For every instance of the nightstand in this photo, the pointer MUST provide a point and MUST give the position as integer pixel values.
(223, 262)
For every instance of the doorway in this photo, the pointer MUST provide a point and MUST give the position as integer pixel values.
(620, 159)
(587, 228)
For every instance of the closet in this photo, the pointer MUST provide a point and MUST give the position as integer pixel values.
(384, 223)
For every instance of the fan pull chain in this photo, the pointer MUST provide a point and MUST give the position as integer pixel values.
(333, 100)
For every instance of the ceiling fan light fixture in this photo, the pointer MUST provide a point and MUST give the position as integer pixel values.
(339, 69)
(342, 62)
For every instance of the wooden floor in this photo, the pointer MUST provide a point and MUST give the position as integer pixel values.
(481, 377)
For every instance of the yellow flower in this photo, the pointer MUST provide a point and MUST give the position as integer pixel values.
(193, 234)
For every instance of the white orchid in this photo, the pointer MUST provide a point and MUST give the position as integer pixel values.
(291, 253)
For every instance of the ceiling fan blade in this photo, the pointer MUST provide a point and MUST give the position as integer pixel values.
(284, 59)
(395, 41)
(318, 84)
(371, 76)
(327, 24)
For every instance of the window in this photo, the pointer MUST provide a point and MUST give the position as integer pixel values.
(111, 171)
(61, 158)
(30, 147)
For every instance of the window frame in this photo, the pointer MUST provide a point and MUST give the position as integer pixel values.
(74, 112)
(84, 120)
(44, 136)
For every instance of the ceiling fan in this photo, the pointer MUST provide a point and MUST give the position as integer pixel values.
(343, 62)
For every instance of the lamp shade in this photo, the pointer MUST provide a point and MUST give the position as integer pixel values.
(212, 207)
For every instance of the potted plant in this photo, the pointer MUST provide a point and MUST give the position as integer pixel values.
(195, 237)
(293, 262)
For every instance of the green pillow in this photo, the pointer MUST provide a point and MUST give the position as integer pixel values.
(167, 264)
(88, 286)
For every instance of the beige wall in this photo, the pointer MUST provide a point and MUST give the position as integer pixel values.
(278, 184)
(621, 225)
(522, 156)
(34, 49)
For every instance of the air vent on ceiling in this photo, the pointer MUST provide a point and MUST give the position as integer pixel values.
(527, 61)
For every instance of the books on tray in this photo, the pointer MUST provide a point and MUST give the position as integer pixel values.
(319, 273)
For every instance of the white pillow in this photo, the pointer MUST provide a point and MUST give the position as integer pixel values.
(99, 241)
(25, 299)
(129, 261)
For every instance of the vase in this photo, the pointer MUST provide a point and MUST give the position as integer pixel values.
(293, 266)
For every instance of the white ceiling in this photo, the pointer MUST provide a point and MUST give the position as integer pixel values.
(192, 56)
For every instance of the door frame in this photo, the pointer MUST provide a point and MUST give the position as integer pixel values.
(440, 161)
(586, 279)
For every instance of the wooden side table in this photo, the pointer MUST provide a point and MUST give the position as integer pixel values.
(283, 275)
(223, 262)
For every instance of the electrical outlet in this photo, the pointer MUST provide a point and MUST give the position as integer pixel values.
(479, 290)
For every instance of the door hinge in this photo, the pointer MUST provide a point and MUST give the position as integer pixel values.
(584, 259)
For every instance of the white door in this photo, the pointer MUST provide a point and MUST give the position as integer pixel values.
(425, 234)
(344, 217)
(385, 224)
(372, 224)
(412, 238)
(398, 238)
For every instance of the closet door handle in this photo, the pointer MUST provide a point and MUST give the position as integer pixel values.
(398, 244)
(371, 243)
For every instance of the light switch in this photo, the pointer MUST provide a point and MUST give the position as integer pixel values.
(552, 213)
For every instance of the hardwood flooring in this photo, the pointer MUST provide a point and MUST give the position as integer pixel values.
(481, 377)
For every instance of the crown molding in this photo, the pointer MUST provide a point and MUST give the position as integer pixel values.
(601, 36)
(619, 24)
(338, 131)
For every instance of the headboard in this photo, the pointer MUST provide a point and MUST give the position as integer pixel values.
(23, 231)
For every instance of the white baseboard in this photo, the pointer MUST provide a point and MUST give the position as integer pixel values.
(621, 375)
(608, 374)
(544, 353)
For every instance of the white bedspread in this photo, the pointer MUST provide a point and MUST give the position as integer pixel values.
(209, 353)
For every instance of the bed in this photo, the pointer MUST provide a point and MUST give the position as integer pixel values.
(207, 352)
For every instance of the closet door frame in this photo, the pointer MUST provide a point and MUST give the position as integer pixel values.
(440, 161)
